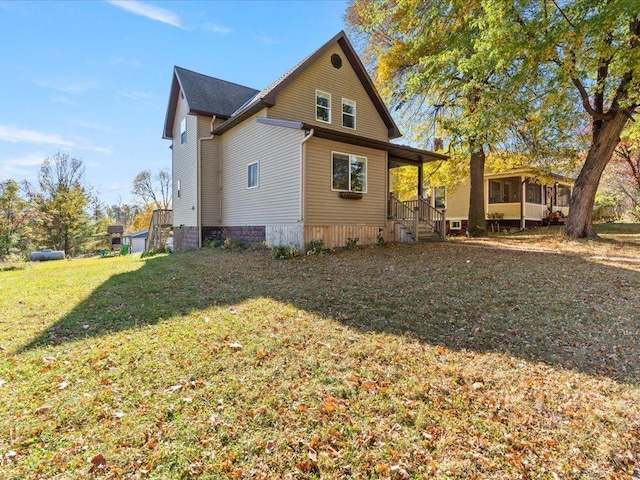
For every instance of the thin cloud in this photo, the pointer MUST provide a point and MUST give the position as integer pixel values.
(263, 39)
(149, 11)
(20, 167)
(215, 28)
(75, 88)
(137, 96)
(129, 62)
(17, 135)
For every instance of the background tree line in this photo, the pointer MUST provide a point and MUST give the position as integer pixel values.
(62, 212)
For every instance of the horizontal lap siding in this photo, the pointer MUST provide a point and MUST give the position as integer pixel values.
(457, 202)
(277, 198)
(509, 210)
(534, 211)
(297, 101)
(210, 174)
(323, 206)
(184, 169)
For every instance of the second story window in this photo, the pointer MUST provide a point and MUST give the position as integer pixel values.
(323, 106)
(252, 175)
(183, 131)
(348, 113)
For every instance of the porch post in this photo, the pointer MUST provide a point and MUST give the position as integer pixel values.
(420, 180)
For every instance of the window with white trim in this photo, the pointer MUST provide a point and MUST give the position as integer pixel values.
(348, 113)
(252, 175)
(439, 197)
(183, 131)
(348, 173)
(178, 191)
(323, 106)
(455, 224)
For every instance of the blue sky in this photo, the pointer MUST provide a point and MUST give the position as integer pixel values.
(92, 78)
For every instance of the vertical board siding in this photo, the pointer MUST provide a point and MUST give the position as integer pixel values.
(284, 235)
(336, 236)
(184, 168)
(210, 174)
(297, 100)
(276, 200)
(323, 206)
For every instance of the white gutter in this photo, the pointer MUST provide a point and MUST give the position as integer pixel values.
(199, 180)
(302, 151)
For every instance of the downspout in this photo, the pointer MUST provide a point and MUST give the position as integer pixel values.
(304, 140)
(199, 182)
(523, 197)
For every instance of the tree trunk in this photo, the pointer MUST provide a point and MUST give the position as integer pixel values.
(605, 139)
(477, 226)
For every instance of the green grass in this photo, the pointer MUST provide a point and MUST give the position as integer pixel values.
(426, 361)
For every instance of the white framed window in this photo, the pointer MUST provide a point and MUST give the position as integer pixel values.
(348, 173)
(178, 191)
(439, 197)
(253, 171)
(183, 131)
(323, 106)
(455, 224)
(348, 113)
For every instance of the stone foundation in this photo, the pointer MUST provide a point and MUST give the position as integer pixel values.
(248, 235)
(185, 238)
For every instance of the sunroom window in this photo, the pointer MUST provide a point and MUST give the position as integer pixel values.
(534, 193)
(504, 190)
(563, 195)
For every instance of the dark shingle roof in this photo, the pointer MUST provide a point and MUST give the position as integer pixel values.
(205, 96)
(211, 95)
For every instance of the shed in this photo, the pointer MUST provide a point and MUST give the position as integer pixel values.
(137, 240)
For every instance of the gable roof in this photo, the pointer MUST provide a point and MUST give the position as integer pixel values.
(267, 96)
(204, 95)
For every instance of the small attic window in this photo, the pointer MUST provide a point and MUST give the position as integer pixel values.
(336, 61)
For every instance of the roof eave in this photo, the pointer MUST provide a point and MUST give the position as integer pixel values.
(172, 106)
(233, 121)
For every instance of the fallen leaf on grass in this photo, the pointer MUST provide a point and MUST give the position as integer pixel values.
(2, 382)
(62, 385)
(235, 346)
(97, 462)
(42, 409)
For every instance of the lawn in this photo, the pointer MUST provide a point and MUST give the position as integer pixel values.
(457, 360)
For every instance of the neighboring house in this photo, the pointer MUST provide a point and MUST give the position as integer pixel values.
(513, 200)
(137, 240)
(307, 158)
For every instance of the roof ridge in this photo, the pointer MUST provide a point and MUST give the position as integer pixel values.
(214, 78)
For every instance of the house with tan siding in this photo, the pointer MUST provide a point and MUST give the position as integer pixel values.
(514, 200)
(306, 158)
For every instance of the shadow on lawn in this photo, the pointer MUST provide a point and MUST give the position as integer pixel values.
(564, 311)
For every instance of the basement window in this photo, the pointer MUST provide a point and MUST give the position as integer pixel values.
(455, 225)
